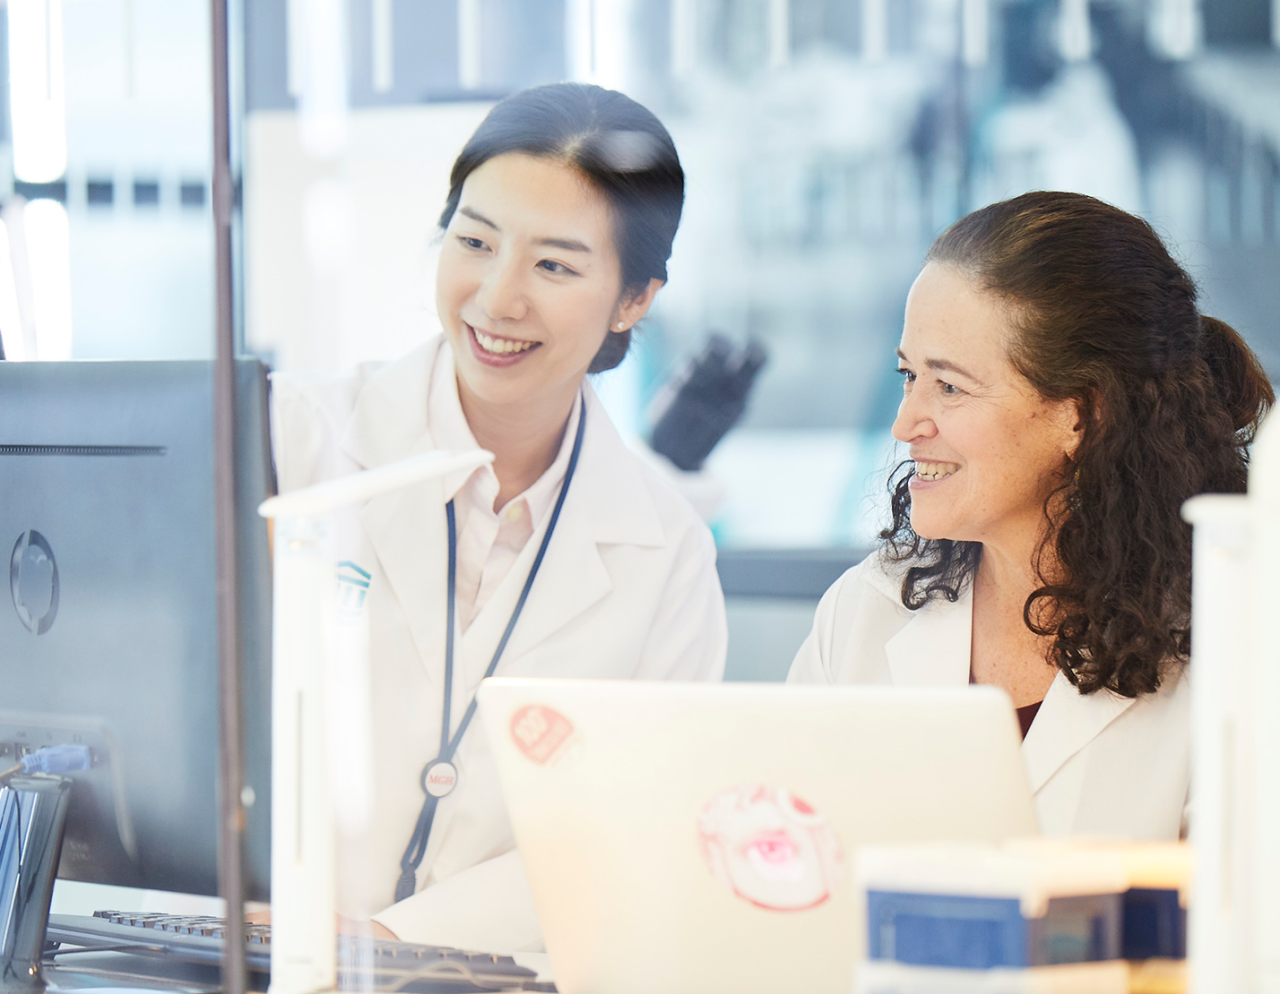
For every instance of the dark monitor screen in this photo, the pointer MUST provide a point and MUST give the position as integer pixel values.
(108, 632)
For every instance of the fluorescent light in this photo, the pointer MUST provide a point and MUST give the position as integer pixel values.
(382, 33)
(49, 250)
(15, 349)
(14, 214)
(37, 90)
(580, 29)
(1075, 36)
(470, 69)
(975, 42)
(610, 23)
(1173, 27)
(295, 48)
(684, 38)
(780, 33)
(317, 73)
(875, 30)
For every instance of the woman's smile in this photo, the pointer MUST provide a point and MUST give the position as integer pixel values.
(932, 472)
(495, 350)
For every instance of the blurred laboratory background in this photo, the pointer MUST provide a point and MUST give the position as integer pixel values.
(826, 143)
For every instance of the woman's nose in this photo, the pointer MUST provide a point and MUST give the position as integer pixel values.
(912, 421)
(501, 293)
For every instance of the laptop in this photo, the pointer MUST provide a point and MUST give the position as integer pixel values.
(700, 838)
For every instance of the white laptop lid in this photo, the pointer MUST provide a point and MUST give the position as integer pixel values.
(700, 837)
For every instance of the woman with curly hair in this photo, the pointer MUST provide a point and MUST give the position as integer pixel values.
(1062, 397)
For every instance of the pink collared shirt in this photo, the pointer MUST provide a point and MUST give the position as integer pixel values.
(488, 542)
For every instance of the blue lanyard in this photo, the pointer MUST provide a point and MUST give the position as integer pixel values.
(417, 847)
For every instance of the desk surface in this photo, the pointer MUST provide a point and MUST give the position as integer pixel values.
(123, 971)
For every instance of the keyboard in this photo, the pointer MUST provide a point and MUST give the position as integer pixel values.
(362, 962)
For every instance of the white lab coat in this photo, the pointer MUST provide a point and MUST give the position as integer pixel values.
(1099, 764)
(628, 589)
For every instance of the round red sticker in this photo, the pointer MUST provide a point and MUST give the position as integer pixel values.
(540, 733)
(769, 847)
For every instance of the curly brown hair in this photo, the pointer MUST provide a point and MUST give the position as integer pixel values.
(1169, 400)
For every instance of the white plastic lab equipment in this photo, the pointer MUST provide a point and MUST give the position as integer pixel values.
(303, 857)
(1235, 687)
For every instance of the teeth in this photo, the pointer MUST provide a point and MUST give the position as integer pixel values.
(935, 470)
(500, 346)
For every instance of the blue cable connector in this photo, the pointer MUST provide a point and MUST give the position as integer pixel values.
(51, 759)
(56, 759)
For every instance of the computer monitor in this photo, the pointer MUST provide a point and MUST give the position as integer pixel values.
(108, 633)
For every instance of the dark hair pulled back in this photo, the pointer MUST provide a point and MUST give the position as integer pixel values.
(1169, 401)
(620, 147)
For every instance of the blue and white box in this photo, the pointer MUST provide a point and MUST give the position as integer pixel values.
(982, 907)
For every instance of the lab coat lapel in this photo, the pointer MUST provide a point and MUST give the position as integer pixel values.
(933, 648)
(1067, 722)
(389, 418)
(405, 527)
(608, 503)
(571, 579)
(407, 531)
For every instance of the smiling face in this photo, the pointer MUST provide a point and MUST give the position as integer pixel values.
(988, 448)
(529, 283)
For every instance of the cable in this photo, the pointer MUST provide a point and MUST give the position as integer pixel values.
(51, 759)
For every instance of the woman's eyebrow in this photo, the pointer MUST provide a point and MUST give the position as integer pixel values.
(568, 244)
(942, 366)
(475, 215)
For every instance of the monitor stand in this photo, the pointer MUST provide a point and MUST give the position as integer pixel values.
(33, 814)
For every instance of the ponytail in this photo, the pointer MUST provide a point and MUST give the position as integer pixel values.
(1241, 381)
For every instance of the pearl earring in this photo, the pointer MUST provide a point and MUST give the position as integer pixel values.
(621, 326)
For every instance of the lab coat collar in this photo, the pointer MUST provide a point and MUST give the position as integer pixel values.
(1067, 722)
(389, 419)
(934, 648)
(611, 498)
(609, 502)
(389, 422)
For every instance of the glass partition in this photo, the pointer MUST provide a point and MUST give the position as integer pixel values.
(105, 176)
(826, 143)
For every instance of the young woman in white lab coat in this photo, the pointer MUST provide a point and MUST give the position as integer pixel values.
(1062, 397)
(556, 233)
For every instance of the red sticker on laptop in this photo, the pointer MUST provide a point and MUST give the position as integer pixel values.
(540, 733)
(770, 848)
